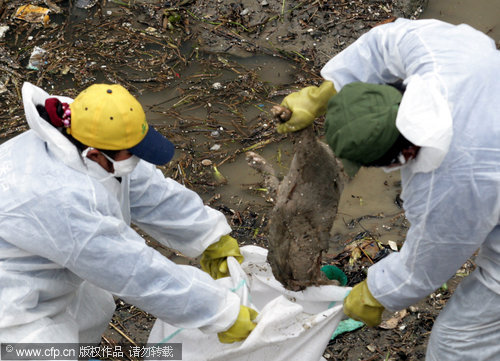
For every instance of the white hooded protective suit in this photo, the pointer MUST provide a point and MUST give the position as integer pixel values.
(451, 191)
(66, 245)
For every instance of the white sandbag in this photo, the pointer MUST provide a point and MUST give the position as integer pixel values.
(290, 325)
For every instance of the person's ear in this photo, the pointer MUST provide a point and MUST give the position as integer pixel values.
(94, 155)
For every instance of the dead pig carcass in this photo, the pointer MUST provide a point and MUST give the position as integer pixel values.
(306, 203)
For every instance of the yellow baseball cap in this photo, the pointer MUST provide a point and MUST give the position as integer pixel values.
(108, 117)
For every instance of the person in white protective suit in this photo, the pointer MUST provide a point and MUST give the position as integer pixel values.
(423, 96)
(69, 188)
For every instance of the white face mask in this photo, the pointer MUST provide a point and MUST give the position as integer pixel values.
(401, 159)
(401, 164)
(119, 189)
(123, 167)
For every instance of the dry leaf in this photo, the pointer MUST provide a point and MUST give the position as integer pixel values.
(355, 255)
(394, 320)
(371, 249)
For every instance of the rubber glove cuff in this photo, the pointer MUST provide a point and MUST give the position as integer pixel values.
(214, 258)
(362, 306)
(306, 105)
(241, 328)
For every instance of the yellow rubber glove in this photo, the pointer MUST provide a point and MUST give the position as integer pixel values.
(241, 328)
(214, 258)
(362, 306)
(306, 105)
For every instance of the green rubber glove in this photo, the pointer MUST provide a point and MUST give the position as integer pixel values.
(362, 306)
(306, 105)
(214, 258)
(241, 328)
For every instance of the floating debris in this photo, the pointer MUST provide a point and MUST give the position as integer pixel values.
(53, 7)
(3, 30)
(219, 178)
(85, 4)
(37, 58)
(33, 14)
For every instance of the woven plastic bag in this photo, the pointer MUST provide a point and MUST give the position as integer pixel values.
(291, 325)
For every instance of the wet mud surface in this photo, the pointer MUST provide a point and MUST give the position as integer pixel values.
(199, 68)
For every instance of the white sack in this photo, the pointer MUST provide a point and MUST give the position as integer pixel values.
(291, 325)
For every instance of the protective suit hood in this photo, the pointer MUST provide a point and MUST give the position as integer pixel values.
(424, 118)
(61, 147)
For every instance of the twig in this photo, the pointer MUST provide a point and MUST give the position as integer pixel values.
(366, 254)
(123, 334)
(257, 145)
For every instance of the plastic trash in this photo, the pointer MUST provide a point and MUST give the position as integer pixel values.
(36, 58)
(85, 4)
(3, 30)
(33, 14)
(347, 326)
(334, 273)
(292, 326)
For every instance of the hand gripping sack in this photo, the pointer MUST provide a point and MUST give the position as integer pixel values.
(291, 326)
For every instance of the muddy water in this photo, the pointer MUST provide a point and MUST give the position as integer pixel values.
(483, 15)
(210, 137)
